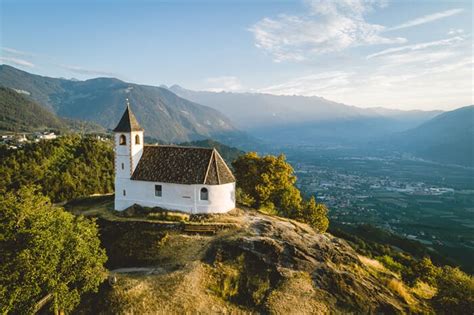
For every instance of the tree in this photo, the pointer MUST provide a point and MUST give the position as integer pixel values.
(455, 292)
(268, 183)
(315, 215)
(45, 251)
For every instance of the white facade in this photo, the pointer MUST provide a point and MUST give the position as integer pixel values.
(186, 198)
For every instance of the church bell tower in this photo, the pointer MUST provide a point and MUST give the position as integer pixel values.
(128, 144)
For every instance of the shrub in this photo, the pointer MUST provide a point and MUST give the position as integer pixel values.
(455, 292)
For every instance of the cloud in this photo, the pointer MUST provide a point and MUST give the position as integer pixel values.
(81, 70)
(310, 85)
(17, 52)
(223, 83)
(443, 42)
(454, 31)
(17, 61)
(444, 85)
(426, 19)
(329, 26)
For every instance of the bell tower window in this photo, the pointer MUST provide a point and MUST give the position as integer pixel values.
(122, 140)
(137, 139)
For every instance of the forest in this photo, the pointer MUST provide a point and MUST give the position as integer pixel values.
(65, 168)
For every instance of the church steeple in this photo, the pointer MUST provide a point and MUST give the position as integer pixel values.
(128, 122)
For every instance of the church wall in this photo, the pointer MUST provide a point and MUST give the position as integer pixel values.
(174, 196)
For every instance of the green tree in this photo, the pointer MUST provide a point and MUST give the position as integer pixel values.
(45, 252)
(455, 292)
(268, 183)
(315, 215)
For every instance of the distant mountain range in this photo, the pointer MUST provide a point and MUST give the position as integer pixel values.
(20, 113)
(163, 114)
(447, 138)
(168, 116)
(306, 120)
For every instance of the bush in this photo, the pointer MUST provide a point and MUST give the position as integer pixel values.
(455, 292)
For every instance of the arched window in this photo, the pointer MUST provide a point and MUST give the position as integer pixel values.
(204, 194)
(122, 140)
(137, 139)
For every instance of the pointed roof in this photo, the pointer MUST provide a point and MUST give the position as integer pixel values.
(182, 165)
(128, 122)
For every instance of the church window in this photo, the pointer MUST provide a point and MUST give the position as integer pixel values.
(123, 166)
(137, 139)
(124, 192)
(122, 140)
(158, 190)
(204, 194)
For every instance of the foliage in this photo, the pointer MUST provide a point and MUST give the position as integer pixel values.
(455, 292)
(316, 215)
(422, 269)
(268, 183)
(45, 250)
(64, 168)
(390, 263)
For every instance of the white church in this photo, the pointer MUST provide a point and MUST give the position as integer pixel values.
(188, 179)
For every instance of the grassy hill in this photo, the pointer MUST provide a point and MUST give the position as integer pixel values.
(256, 264)
(163, 114)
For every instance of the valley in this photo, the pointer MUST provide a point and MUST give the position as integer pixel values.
(419, 200)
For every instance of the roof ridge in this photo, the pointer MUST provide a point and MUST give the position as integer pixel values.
(208, 167)
(177, 146)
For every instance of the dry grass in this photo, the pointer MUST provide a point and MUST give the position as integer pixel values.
(373, 264)
(424, 290)
(179, 292)
(297, 295)
(399, 288)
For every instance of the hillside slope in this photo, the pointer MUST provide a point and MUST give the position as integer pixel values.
(447, 138)
(264, 264)
(163, 114)
(18, 113)
(294, 119)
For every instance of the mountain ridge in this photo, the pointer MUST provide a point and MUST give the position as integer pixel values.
(447, 138)
(163, 114)
(294, 119)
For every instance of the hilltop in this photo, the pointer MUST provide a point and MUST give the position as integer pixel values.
(258, 263)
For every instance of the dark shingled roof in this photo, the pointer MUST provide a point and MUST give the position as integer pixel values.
(182, 165)
(128, 122)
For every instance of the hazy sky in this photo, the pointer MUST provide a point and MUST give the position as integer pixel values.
(398, 54)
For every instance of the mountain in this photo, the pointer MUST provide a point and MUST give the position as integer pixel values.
(163, 114)
(19, 113)
(447, 138)
(306, 120)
